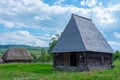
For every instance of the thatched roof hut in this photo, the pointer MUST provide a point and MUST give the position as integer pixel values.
(1, 60)
(17, 55)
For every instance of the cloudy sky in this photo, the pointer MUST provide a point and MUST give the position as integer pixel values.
(34, 22)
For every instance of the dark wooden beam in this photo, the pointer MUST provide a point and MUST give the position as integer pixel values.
(85, 61)
(54, 65)
(111, 61)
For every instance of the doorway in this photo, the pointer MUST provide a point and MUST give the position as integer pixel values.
(73, 59)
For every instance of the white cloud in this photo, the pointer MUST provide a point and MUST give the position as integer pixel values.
(34, 6)
(83, 3)
(23, 33)
(89, 3)
(115, 45)
(26, 13)
(117, 35)
(11, 24)
(105, 15)
(57, 30)
(41, 18)
(7, 23)
(58, 2)
(116, 42)
(23, 37)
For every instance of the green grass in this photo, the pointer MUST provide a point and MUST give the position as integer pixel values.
(36, 71)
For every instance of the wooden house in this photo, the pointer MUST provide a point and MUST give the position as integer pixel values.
(82, 47)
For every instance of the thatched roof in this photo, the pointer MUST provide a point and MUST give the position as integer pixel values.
(1, 60)
(17, 54)
(80, 35)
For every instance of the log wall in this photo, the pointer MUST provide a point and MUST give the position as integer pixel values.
(85, 61)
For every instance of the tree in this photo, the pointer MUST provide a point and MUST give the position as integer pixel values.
(43, 53)
(116, 55)
(53, 42)
(35, 54)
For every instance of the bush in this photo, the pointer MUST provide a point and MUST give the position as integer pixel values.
(41, 55)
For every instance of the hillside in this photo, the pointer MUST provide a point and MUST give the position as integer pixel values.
(20, 46)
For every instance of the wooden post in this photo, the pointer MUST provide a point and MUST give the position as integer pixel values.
(53, 59)
(102, 59)
(69, 59)
(85, 61)
(111, 61)
(54, 63)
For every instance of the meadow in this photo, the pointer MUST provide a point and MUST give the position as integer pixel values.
(39, 71)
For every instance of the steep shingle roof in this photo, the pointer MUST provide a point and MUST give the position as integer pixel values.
(79, 35)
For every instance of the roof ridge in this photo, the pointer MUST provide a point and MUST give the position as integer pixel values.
(81, 16)
(80, 32)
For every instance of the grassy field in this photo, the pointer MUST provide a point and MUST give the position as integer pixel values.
(36, 71)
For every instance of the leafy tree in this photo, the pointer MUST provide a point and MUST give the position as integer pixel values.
(116, 55)
(35, 55)
(43, 53)
(53, 42)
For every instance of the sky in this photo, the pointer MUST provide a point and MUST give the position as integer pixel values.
(35, 22)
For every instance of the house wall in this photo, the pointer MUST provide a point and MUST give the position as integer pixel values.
(85, 61)
(61, 60)
(80, 61)
(99, 60)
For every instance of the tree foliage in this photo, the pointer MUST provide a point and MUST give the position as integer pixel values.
(116, 55)
(41, 55)
(53, 42)
(45, 55)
